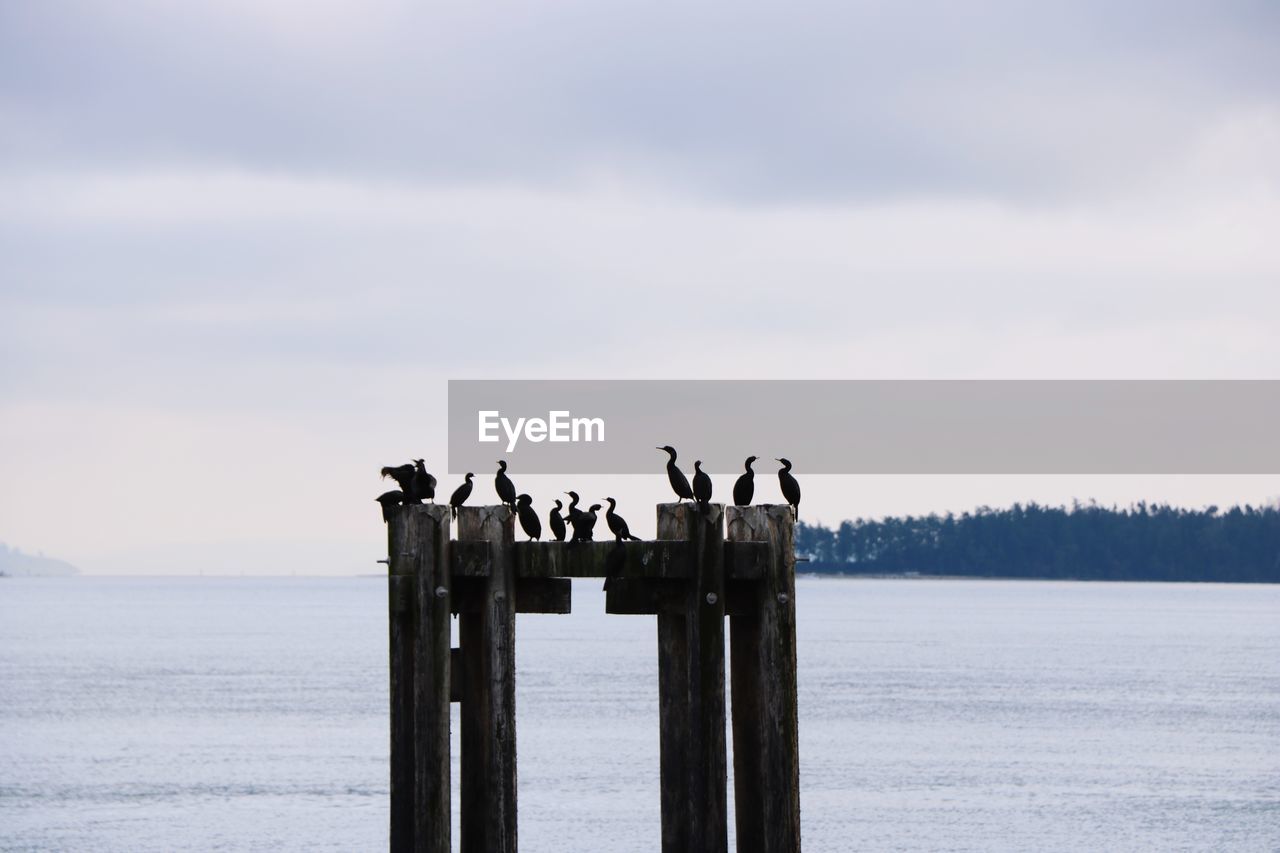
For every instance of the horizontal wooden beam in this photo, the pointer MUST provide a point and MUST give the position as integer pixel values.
(642, 596)
(602, 559)
(533, 595)
(670, 559)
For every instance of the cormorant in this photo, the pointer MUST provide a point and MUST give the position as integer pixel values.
(424, 485)
(745, 488)
(402, 474)
(557, 523)
(573, 511)
(679, 483)
(460, 495)
(529, 522)
(584, 524)
(389, 500)
(618, 524)
(505, 488)
(701, 485)
(790, 488)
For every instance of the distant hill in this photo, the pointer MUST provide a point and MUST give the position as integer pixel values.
(14, 563)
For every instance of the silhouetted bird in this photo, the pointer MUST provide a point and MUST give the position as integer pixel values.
(390, 500)
(402, 474)
(701, 486)
(557, 523)
(460, 495)
(790, 488)
(745, 487)
(618, 524)
(529, 522)
(424, 485)
(679, 483)
(584, 524)
(572, 512)
(505, 488)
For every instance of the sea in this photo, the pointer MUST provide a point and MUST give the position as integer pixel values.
(166, 714)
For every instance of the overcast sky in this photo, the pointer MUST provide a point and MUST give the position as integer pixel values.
(243, 246)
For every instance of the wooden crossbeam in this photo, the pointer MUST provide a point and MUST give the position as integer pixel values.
(533, 595)
(672, 559)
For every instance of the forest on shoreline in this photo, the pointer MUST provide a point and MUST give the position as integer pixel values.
(1141, 542)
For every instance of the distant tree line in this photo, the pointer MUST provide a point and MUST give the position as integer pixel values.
(1085, 541)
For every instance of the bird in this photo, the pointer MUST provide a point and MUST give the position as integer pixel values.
(790, 488)
(505, 488)
(557, 523)
(460, 495)
(529, 522)
(584, 524)
(618, 524)
(745, 487)
(389, 500)
(701, 486)
(402, 474)
(679, 483)
(572, 512)
(424, 485)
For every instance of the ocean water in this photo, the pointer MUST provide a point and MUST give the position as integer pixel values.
(163, 714)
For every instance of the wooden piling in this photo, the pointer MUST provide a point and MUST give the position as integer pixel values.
(418, 616)
(762, 620)
(691, 688)
(487, 636)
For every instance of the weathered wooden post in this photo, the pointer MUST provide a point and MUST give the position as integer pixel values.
(487, 634)
(418, 614)
(691, 697)
(762, 622)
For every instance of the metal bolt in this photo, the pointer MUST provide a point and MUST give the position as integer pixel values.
(782, 598)
(441, 592)
(711, 598)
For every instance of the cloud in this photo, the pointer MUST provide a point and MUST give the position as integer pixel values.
(753, 102)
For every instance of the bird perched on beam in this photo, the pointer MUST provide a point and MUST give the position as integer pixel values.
(745, 487)
(790, 488)
(403, 475)
(460, 495)
(679, 482)
(503, 485)
(618, 524)
(557, 523)
(573, 511)
(584, 524)
(529, 522)
(390, 500)
(701, 486)
(423, 484)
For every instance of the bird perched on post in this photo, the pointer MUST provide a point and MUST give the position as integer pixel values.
(557, 523)
(424, 485)
(584, 524)
(529, 522)
(390, 500)
(679, 483)
(618, 524)
(460, 495)
(505, 488)
(701, 486)
(790, 488)
(572, 512)
(403, 475)
(745, 487)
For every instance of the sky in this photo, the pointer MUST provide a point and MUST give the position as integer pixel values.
(244, 245)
